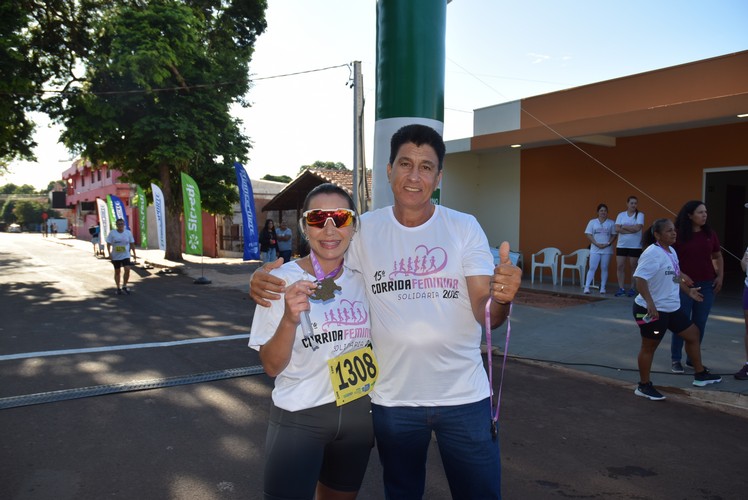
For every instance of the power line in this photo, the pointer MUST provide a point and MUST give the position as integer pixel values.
(174, 88)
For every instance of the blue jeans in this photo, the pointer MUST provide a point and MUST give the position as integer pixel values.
(698, 312)
(469, 454)
(268, 255)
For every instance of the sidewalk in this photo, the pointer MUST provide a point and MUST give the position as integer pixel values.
(597, 337)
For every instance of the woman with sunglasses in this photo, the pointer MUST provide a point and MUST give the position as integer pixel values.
(316, 343)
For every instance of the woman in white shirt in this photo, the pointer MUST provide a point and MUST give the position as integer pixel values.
(601, 232)
(629, 226)
(317, 344)
(657, 307)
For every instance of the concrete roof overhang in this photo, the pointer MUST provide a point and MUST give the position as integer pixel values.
(700, 94)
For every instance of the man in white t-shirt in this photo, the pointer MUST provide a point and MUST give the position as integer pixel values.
(429, 276)
(119, 244)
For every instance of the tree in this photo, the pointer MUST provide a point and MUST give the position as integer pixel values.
(30, 212)
(329, 165)
(7, 213)
(277, 178)
(154, 102)
(21, 77)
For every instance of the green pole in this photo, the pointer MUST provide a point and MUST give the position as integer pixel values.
(410, 77)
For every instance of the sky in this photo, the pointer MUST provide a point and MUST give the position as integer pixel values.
(496, 51)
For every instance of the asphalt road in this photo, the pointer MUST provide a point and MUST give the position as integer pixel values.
(179, 423)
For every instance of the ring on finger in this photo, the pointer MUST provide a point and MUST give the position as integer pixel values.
(501, 289)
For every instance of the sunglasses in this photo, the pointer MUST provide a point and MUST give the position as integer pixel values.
(341, 217)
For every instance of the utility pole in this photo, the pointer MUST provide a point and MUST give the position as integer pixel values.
(360, 186)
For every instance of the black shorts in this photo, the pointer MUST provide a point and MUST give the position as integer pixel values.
(330, 444)
(675, 321)
(629, 252)
(121, 263)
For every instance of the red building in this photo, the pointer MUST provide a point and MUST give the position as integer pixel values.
(87, 182)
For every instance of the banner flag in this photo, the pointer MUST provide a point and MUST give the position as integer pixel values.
(104, 227)
(159, 207)
(193, 216)
(118, 210)
(249, 219)
(142, 204)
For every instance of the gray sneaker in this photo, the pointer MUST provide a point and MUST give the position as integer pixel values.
(648, 391)
(676, 367)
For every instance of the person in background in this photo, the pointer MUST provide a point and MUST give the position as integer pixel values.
(601, 232)
(701, 259)
(322, 439)
(285, 242)
(119, 244)
(742, 374)
(431, 281)
(268, 242)
(657, 308)
(94, 231)
(629, 224)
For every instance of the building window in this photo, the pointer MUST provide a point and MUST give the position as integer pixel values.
(92, 177)
(98, 175)
(83, 181)
(108, 173)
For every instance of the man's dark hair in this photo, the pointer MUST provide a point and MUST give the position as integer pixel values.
(419, 135)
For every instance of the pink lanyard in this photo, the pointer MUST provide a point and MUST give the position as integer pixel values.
(495, 415)
(306, 323)
(318, 272)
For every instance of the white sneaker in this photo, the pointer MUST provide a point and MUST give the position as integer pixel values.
(586, 290)
(602, 290)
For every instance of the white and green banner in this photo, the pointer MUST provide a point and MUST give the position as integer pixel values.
(104, 226)
(142, 204)
(159, 207)
(193, 219)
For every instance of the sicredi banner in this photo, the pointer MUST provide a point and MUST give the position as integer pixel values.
(193, 220)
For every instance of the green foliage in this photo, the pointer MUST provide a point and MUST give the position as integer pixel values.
(15, 189)
(160, 78)
(7, 214)
(277, 178)
(329, 165)
(30, 212)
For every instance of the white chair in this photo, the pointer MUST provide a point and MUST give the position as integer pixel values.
(550, 261)
(579, 264)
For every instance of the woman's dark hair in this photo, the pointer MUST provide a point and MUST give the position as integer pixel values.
(683, 223)
(268, 222)
(648, 236)
(602, 205)
(328, 188)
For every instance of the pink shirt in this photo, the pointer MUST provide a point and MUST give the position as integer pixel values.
(695, 255)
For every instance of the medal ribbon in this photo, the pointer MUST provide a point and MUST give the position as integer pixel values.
(318, 272)
(676, 268)
(306, 322)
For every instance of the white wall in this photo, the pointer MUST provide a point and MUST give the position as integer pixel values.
(487, 186)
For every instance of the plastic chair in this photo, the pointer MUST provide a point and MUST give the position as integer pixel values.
(580, 264)
(550, 261)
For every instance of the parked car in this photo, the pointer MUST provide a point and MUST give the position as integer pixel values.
(14, 228)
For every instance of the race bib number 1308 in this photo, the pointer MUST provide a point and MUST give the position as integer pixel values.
(353, 375)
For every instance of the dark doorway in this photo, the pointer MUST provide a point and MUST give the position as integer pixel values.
(726, 193)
